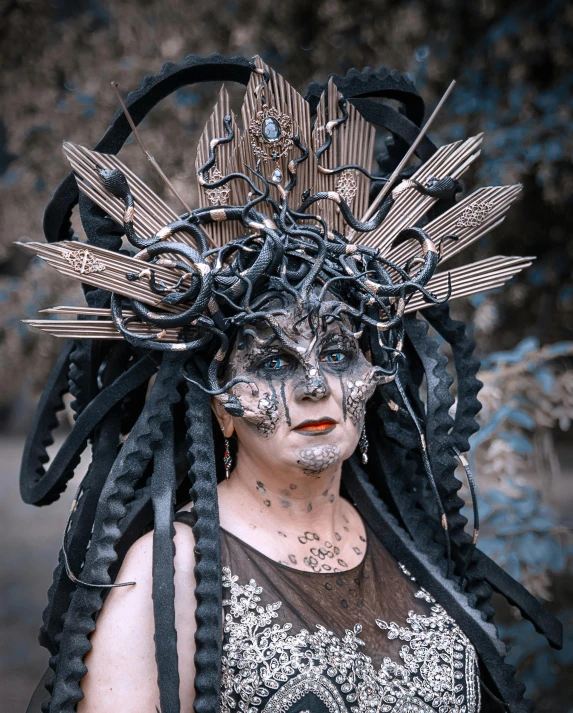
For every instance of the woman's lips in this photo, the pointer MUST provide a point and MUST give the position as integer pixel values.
(316, 427)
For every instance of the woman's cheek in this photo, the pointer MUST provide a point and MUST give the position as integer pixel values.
(260, 409)
(266, 415)
(359, 388)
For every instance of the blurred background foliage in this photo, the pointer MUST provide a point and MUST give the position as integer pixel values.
(514, 66)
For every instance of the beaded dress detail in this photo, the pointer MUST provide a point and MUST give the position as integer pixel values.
(367, 640)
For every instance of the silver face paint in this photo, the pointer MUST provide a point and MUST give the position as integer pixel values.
(310, 382)
(316, 459)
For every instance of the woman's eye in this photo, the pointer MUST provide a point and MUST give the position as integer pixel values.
(335, 357)
(275, 363)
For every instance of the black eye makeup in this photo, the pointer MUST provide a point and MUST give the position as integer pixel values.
(338, 352)
(273, 362)
(337, 359)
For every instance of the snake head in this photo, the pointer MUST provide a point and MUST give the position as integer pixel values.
(115, 182)
(233, 407)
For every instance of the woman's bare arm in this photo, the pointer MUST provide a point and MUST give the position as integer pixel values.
(122, 673)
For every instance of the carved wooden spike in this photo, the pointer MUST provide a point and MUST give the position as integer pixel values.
(471, 279)
(151, 212)
(221, 233)
(280, 96)
(113, 276)
(279, 91)
(96, 329)
(81, 309)
(469, 219)
(352, 142)
(328, 209)
(449, 160)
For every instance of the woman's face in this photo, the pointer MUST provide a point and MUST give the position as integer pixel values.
(306, 408)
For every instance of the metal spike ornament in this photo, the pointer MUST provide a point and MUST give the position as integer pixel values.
(173, 291)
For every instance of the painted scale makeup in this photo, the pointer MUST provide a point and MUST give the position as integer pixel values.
(291, 359)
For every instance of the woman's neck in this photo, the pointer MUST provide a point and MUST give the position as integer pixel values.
(293, 518)
(287, 497)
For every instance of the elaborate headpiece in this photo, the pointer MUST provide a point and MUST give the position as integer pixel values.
(292, 205)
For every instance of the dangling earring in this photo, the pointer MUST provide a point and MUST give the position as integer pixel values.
(363, 444)
(227, 460)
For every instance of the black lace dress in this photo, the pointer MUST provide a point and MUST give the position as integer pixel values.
(367, 640)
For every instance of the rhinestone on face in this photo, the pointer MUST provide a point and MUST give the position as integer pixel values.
(271, 130)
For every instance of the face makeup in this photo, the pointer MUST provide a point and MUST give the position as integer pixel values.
(309, 383)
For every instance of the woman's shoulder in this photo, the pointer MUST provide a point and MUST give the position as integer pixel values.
(139, 557)
(123, 646)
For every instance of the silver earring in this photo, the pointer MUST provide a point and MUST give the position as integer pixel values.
(227, 460)
(363, 444)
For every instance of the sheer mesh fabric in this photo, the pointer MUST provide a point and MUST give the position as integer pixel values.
(375, 589)
(367, 640)
(292, 644)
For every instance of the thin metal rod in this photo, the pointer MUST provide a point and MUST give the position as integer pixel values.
(380, 197)
(144, 148)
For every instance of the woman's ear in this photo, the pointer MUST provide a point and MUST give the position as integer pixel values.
(224, 418)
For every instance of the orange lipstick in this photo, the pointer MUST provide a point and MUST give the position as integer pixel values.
(316, 426)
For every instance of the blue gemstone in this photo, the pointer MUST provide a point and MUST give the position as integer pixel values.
(271, 129)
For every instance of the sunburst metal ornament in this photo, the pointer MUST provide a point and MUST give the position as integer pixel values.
(192, 266)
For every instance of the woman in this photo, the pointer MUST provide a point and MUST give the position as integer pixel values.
(283, 354)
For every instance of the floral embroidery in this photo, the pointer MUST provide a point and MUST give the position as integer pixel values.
(267, 669)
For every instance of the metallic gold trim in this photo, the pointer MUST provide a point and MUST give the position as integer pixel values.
(83, 261)
(218, 215)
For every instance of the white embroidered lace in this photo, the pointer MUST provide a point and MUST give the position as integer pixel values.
(268, 669)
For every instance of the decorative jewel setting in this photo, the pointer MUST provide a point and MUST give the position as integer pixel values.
(271, 134)
(83, 261)
(271, 130)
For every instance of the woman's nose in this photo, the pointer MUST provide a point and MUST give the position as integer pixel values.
(314, 386)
